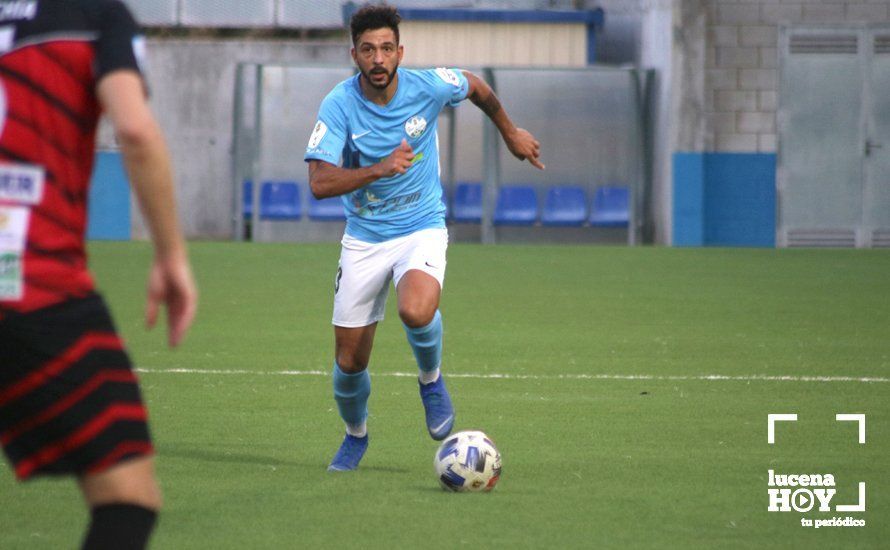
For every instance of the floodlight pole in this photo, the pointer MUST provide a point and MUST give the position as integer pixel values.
(256, 151)
(451, 162)
(237, 128)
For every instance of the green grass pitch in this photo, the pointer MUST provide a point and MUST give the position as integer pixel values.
(593, 457)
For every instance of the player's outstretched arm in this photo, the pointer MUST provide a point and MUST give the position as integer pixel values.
(327, 180)
(147, 162)
(520, 142)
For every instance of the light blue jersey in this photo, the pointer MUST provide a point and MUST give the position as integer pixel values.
(361, 133)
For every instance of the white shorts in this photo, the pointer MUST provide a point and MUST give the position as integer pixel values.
(362, 282)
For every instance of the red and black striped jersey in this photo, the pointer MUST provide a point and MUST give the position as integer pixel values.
(52, 55)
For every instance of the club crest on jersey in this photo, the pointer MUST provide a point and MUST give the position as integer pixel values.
(415, 127)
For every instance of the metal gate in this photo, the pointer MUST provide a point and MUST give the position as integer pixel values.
(834, 137)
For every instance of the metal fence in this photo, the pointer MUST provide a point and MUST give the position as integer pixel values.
(591, 123)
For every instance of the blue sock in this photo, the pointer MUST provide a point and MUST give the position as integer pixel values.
(427, 344)
(351, 393)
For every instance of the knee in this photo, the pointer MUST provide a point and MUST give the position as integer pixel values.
(129, 483)
(416, 316)
(350, 363)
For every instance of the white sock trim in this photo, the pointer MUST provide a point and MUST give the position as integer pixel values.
(428, 377)
(357, 430)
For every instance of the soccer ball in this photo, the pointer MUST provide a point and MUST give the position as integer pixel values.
(468, 462)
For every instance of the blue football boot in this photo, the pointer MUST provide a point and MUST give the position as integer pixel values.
(350, 454)
(439, 412)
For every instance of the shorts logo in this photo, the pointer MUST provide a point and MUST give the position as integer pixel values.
(317, 134)
(337, 280)
(448, 76)
(415, 127)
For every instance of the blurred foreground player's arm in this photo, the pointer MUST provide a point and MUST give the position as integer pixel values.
(122, 96)
(520, 142)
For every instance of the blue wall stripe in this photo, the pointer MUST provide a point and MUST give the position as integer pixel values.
(109, 206)
(724, 199)
(588, 17)
(689, 192)
(740, 199)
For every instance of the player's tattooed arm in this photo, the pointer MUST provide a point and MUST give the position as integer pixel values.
(521, 143)
(490, 105)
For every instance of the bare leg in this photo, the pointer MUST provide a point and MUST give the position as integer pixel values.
(353, 347)
(131, 482)
(124, 501)
(419, 294)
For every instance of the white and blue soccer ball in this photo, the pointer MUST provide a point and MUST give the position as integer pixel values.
(468, 461)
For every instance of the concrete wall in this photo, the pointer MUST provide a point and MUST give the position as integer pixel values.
(725, 97)
(741, 65)
(192, 90)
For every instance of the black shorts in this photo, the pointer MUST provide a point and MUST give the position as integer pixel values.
(69, 400)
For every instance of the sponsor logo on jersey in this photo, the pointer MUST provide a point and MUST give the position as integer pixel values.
(7, 38)
(10, 276)
(415, 127)
(26, 9)
(13, 228)
(3, 103)
(21, 183)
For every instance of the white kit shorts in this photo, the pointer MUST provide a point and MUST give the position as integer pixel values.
(362, 282)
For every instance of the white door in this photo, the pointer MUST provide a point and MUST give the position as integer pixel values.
(833, 178)
(877, 147)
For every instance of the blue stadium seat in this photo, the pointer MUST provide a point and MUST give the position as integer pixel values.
(609, 207)
(566, 205)
(329, 209)
(280, 200)
(517, 205)
(467, 204)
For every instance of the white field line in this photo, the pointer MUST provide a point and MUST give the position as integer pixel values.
(493, 376)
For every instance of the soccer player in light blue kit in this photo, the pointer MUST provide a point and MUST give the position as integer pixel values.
(382, 125)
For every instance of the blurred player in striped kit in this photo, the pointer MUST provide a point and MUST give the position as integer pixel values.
(69, 400)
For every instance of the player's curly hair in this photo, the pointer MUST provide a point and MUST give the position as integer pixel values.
(374, 16)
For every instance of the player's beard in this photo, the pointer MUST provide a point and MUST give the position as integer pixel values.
(390, 76)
